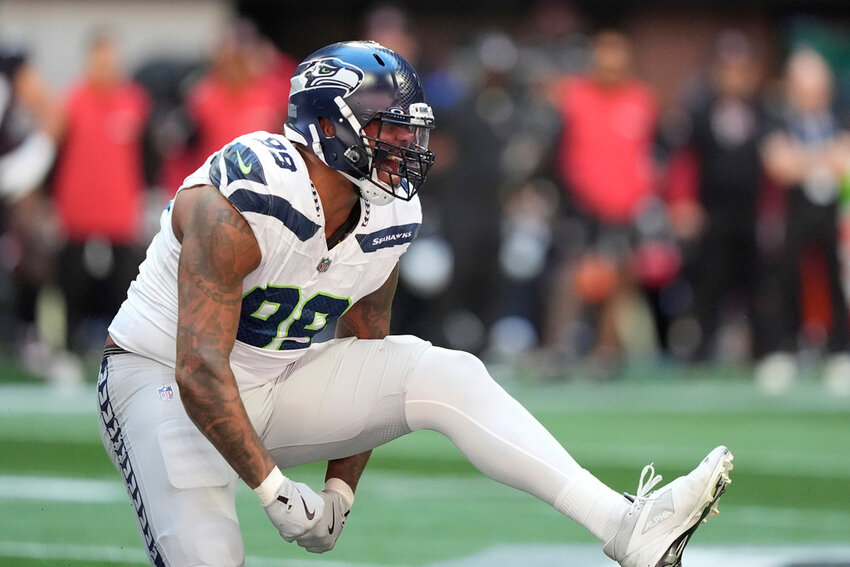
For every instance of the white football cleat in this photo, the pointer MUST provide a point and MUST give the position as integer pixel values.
(655, 530)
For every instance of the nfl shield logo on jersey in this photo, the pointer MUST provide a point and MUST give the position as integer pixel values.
(165, 392)
(324, 265)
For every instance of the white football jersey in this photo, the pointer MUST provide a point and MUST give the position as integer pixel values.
(299, 287)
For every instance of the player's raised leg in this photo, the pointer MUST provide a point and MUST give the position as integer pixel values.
(451, 392)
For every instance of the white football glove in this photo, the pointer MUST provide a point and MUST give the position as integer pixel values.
(338, 498)
(292, 507)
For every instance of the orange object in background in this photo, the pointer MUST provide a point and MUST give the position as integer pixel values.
(595, 278)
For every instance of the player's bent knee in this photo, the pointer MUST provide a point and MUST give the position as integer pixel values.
(452, 365)
(450, 377)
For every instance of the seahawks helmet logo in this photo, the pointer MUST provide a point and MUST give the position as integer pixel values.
(328, 73)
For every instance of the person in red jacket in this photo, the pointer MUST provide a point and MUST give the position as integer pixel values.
(244, 90)
(605, 165)
(99, 191)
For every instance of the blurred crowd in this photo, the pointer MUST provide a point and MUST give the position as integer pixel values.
(572, 219)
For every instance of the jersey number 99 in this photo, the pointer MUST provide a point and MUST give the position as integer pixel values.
(274, 317)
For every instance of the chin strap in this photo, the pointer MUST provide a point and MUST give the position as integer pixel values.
(369, 190)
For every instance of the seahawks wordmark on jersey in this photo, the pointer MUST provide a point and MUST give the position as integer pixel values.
(300, 286)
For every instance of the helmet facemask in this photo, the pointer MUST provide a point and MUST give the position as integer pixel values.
(394, 160)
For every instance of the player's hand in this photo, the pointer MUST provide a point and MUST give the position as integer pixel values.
(292, 507)
(338, 498)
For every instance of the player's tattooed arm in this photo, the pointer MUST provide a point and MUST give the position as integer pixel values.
(369, 318)
(218, 251)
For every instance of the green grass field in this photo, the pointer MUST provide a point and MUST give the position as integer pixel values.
(421, 503)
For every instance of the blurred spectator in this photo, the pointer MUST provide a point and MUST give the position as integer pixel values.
(30, 121)
(552, 42)
(605, 164)
(524, 256)
(716, 217)
(29, 124)
(550, 46)
(166, 80)
(389, 25)
(99, 193)
(808, 153)
(245, 90)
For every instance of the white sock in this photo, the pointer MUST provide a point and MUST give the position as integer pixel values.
(593, 505)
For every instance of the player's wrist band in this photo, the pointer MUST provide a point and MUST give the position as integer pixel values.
(267, 490)
(339, 485)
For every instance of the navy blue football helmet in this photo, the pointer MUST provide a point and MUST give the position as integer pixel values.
(352, 84)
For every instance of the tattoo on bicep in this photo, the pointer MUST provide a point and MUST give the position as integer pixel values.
(217, 253)
(210, 278)
(233, 218)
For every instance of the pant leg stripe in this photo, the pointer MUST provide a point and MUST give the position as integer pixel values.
(113, 428)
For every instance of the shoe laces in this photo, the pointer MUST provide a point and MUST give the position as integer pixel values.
(648, 480)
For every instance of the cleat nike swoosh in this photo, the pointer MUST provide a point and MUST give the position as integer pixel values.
(333, 521)
(310, 515)
(246, 169)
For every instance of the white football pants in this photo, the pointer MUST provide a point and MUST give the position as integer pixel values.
(341, 398)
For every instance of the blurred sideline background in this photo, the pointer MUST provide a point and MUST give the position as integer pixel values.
(638, 219)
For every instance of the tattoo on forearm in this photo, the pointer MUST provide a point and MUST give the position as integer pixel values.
(216, 408)
(212, 293)
(348, 469)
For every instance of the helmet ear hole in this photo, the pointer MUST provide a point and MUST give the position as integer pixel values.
(328, 127)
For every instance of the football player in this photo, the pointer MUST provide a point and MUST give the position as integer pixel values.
(211, 374)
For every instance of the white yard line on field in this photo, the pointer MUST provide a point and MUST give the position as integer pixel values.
(69, 551)
(41, 399)
(58, 489)
(398, 488)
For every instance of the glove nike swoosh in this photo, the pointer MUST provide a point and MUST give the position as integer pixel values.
(333, 521)
(310, 515)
